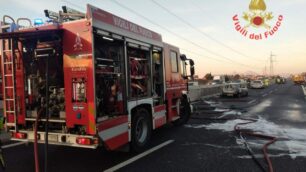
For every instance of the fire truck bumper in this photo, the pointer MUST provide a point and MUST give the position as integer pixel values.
(72, 140)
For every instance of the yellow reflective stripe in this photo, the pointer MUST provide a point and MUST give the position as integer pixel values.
(91, 118)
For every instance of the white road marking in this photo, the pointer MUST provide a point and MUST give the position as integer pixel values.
(135, 158)
(264, 95)
(252, 101)
(222, 116)
(304, 91)
(13, 145)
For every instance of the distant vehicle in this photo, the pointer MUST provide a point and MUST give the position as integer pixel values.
(284, 80)
(218, 80)
(280, 80)
(266, 82)
(239, 81)
(257, 84)
(248, 82)
(298, 79)
(235, 90)
(217, 77)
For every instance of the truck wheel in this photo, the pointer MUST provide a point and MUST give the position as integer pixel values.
(141, 130)
(185, 113)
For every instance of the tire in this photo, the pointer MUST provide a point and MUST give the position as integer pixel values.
(185, 112)
(141, 130)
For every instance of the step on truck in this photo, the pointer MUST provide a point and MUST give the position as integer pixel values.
(90, 79)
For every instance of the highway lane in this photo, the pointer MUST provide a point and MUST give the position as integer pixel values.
(255, 96)
(285, 106)
(209, 149)
(201, 145)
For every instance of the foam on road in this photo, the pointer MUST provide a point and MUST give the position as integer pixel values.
(292, 140)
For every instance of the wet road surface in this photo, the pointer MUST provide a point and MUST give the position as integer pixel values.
(203, 144)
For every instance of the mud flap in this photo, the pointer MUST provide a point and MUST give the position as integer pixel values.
(114, 132)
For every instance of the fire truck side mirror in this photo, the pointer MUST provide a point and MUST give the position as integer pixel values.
(183, 57)
(191, 71)
(191, 62)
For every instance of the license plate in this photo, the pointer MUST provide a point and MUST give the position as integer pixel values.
(229, 94)
(53, 138)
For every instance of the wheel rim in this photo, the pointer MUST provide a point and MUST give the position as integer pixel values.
(141, 130)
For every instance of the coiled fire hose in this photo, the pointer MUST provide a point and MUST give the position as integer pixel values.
(271, 139)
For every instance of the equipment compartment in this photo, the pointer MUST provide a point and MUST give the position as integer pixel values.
(140, 75)
(109, 64)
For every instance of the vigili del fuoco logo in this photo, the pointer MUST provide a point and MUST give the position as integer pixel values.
(258, 19)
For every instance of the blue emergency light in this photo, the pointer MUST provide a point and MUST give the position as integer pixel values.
(38, 22)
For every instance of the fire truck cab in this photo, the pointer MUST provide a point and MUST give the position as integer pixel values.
(91, 79)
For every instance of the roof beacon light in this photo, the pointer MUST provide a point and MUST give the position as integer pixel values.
(38, 22)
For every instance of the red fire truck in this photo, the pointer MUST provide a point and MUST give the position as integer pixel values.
(89, 80)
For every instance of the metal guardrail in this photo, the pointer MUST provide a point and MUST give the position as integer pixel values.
(204, 91)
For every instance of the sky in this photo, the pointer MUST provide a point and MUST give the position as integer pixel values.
(204, 30)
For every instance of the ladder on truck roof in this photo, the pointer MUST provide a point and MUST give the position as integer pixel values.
(8, 51)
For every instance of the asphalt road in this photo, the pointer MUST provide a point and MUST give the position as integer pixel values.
(204, 144)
